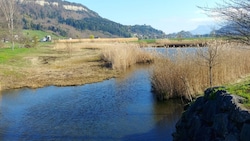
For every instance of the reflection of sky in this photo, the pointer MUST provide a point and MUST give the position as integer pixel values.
(113, 109)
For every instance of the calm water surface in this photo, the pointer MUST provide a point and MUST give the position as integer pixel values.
(116, 109)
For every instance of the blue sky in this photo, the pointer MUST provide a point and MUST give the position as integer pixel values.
(166, 15)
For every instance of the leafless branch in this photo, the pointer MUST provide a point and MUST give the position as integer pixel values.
(235, 14)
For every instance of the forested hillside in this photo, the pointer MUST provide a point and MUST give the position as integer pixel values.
(76, 21)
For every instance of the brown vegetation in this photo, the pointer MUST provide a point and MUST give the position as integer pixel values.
(60, 65)
(98, 40)
(187, 74)
(67, 64)
(122, 57)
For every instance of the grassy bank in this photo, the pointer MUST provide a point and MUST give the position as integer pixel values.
(57, 64)
(67, 63)
(188, 74)
(242, 89)
(40, 34)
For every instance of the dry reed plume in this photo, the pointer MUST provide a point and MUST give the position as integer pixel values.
(122, 56)
(118, 55)
(187, 74)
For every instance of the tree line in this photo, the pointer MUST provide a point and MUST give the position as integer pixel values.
(96, 24)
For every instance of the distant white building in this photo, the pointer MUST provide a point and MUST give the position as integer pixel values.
(46, 39)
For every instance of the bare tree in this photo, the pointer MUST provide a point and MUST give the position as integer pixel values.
(8, 7)
(235, 15)
(3, 28)
(209, 57)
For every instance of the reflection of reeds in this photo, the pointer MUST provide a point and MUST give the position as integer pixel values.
(125, 55)
(186, 74)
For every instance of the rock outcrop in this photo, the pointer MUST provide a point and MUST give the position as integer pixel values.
(217, 116)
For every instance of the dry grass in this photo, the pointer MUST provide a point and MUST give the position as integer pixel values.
(186, 75)
(67, 64)
(125, 55)
(98, 40)
(61, 65)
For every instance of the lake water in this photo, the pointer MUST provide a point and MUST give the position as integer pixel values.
(116, 109)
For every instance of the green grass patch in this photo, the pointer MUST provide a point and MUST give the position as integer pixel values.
(7, 55)
(40, 34)
(242, 89)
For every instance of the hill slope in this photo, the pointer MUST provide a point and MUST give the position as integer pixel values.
(76, 21)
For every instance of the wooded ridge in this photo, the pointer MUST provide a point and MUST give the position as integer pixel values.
(76, 21)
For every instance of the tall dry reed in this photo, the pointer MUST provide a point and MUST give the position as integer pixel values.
(122, 56)
(187, 74)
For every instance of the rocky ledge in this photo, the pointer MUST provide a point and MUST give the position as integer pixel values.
(217, 116)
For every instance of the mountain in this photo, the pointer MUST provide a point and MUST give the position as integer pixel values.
(76, 21)
(204, 29)
(146, 31)
(232, 29)
(181, 34)
(201, 30)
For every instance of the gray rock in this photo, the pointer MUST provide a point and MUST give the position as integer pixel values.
(209, 111)
(220, 124)
(232, 137)
(245, 132)
(215, 116)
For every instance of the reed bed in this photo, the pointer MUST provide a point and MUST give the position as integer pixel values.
(89, 45)
(98, 40)
(186, 74)
(123, 56)
(117, 55)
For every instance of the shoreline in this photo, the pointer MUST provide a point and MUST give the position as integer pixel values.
(53, 67)
(36, 84)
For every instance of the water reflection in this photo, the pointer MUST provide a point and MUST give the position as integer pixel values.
(166, 114)
(116, 109)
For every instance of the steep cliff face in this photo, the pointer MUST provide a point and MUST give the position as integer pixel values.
(58, 3)
(215, 116)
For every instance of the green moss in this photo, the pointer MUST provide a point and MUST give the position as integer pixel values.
(212, 96)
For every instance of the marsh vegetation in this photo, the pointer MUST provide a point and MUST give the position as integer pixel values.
(186, 74)
(183, 74)
(66, 63)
